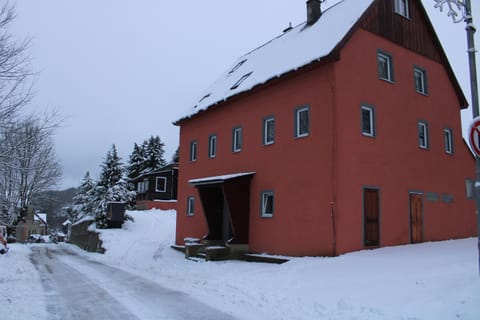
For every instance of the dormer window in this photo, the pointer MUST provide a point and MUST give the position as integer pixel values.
(239, 82)
(238, 65)
(402, 8)
(204, 97)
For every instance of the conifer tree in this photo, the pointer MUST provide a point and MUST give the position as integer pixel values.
(82, 201)
(112, 186)
(154, 153)
(136, 162)
(176, 155)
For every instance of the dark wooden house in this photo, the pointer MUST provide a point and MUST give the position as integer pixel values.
(157, 189)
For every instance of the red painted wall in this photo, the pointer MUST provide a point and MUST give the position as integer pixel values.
(328, 169)
(297, 169)
(392, 161)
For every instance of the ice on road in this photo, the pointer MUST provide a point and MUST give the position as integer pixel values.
(78, 288)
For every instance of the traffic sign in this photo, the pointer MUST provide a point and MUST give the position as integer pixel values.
(474, 136)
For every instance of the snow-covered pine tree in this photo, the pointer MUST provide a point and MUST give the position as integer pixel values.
(83, 200)
(154, 154)
(112, 186)
(176, 156)
(136, 162)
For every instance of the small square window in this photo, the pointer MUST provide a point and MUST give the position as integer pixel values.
(237, 139)
(448, 140)
(193, 151)
(190, 206)
(269, 130)
(402, 8)
(302, 122)
(423, 135)
(267, 204)
(161, 184)
(368, 121)
(385, 66)
(212, 146)
(420, 78)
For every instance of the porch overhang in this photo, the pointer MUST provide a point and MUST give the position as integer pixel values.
(226, 206)
(219, 179)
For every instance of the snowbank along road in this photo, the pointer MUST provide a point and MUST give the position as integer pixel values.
(77, 288)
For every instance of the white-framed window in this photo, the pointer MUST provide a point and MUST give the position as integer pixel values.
(423, 134)
(385, 66)
(402, 8)
(267, 204)
(268, 130)
(302, 122)
(193, 150)
(368, 120)
(142, 186)
(237, 139)
(160, 184)
(190, 206)
(420, 79)
(212, 146)
(448, 140)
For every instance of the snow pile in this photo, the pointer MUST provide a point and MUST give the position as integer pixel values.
(21, 293)
(427, 281)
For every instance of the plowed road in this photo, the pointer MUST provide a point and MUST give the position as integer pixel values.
(78, 288)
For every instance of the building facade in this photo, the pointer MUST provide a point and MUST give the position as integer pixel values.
(341, 134)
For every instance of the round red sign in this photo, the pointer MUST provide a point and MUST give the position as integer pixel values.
(474, 136)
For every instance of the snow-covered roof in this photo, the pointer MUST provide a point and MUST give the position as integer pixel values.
(42, 217)
(290, 51)
(219, 179)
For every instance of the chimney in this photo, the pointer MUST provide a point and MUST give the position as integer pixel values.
(313, 11)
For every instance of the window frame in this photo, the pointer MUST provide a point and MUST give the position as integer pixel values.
(423, 125)
(237, 139)
(164, 184)
(190, 206)
(264, 203)
(423, 81)
(212, 146)
(142, 186)
(371, 109)
(193, 150)
(266, 121)
(298, 111)
(389, 62)
(448, 141)
(402, 8)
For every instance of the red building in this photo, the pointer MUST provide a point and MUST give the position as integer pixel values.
(343, 133)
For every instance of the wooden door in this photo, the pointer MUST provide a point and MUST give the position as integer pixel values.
(416, 218)
(371, 212)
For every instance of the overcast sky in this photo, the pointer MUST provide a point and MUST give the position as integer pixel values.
(120, 71)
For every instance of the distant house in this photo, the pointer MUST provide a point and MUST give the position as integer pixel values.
(34, 223)
(341, 134)
(157, 189)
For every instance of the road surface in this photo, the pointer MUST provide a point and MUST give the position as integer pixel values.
(78, 288)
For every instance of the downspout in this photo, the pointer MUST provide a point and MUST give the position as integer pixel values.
(333, 159)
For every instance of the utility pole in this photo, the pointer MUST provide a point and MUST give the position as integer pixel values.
(461, 10)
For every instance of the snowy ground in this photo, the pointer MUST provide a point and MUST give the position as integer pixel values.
(427, 281)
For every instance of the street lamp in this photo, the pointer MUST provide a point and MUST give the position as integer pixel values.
(461, 10)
